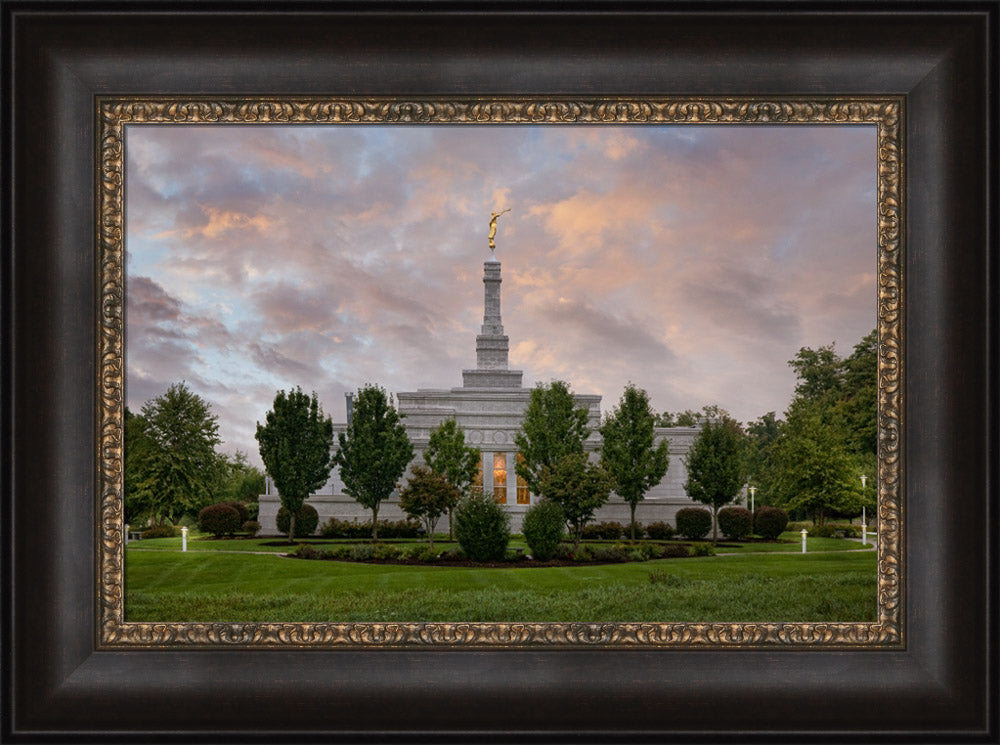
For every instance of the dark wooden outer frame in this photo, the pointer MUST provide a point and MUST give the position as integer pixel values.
(57, 59)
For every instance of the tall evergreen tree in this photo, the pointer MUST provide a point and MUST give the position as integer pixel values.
(174, 461)
(716, 467)
(374, 451)
(553, 427)
(628, 452)
(295, 443)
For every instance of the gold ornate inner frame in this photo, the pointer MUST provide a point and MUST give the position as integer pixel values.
(114, 114)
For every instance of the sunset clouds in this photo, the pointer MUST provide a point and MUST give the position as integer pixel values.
(693, 261)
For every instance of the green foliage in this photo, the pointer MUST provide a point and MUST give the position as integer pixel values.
(241, 510)
(606, 530)
(237, 480)
(735, 522)
(694, 522)
(702, 549)
(219, 519)
(252, 527)
(427, 496)
(660, 531)
(170, 455)
(769, 522)
(761, 438)
(482, 528)
(815, 471)
(578, 486)
(334, 528)
(543, 528)
(295, 442)
(306, 520)
(159, 531)
(716, 465)
(690, 417)
(374, 451)
(553, 427)
(628, 452)
(448, 455)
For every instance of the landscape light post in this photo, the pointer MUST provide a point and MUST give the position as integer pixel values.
(864, 514)
(753, 491)
(184, 538)
(804, 534)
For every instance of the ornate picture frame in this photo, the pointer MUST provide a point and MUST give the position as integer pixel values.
(886, 114)
(67, 677)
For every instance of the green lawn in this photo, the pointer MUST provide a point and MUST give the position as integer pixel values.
(205, 584)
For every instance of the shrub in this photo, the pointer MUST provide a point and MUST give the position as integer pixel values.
(676, 551)
(564, 552)
(482, 528)
(694, 522)
(386, 552)
(306, 520)
(343, 551)
(703, 549)
(241, 509)
(396, 528)
(252, 527)
(582, 553)
(305, 551)
(659, 531)
(543, 528)
(821, 531)
(334, 528)
(361, 552)
(159, 531)
(219, 519)
(614, 553)
(769, 522)
(455, 553)
(735, 522)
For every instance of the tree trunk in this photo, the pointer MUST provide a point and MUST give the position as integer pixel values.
(375, 523)
(715, 525)
(291, 526)
(632, 510)
(430, 533)
(451, 523)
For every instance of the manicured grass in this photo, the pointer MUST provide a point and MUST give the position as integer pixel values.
(213, 586)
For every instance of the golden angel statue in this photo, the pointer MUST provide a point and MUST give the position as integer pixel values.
(493, 226)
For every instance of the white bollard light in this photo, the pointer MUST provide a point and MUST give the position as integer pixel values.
(864, 534)
(126, 534)
(184, 538)
(804, 534)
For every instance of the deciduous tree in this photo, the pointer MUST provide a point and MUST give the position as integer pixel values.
(716, 469)
(553, 427)
(632, 459)
(447, 455)
(374, 451)
(427, 497)
(578, 486)
(295, 443)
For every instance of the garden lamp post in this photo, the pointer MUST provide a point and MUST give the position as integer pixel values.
(864, 514)
(753, 491)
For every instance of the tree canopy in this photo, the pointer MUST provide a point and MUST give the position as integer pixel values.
(716, 467)
(170, 455)
(295, 442)
(427, 496)
(447, 455)
(374, 451)
(628, 452)
(553, 427)
(577, 485)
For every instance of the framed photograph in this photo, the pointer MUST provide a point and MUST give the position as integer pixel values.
(125, 108)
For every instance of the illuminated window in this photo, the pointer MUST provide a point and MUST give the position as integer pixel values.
(500, 477)
(523, 495)
(477, 481)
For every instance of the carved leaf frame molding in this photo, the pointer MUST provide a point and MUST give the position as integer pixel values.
(114, 114)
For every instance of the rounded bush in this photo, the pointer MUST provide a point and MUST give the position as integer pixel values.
(241, 509)
(219, 519)
(735, 522)
(769, 522)
(306, 520)
(482, 528)
(252, 527)
(543, 528)
(159, 531)
(694, 522)
(660, 531)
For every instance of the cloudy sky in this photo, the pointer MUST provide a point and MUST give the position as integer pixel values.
(693, 261)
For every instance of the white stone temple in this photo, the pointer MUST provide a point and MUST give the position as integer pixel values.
(489, 407)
